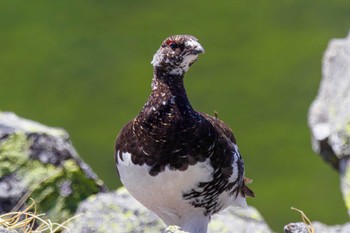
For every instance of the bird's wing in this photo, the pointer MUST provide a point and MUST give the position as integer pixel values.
(227, 134)
(220, 126)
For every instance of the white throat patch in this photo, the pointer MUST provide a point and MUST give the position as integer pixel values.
(185, 65)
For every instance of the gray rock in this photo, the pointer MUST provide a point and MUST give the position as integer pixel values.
(40, 162)
(318, 227)
(114, 212)
(174, 229)
(329, 114)
(298, 227)
(3, 230)
(240, 220)
(329, 121)
(120, 212)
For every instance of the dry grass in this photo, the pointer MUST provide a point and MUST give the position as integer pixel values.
(306, 220)
(28, 220)
(25, 221)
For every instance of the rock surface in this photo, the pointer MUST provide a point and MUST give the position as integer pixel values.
(119, 212)
(40, 162)
(3, 230)
(329, 114)
(317, 227)
(329, 121)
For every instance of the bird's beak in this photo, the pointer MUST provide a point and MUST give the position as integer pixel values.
(199, 49)
(194, 47)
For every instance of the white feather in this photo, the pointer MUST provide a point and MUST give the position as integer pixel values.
(163, 193)
(157, 58)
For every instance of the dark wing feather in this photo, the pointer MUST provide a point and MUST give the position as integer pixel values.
(222, 128)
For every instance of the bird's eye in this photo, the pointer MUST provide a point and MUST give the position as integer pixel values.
(173, 46)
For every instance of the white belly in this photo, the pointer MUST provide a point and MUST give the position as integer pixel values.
(163, 193)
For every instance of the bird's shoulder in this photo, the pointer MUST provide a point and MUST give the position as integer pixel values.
(124, 136)
(128, 142)
(220, 127)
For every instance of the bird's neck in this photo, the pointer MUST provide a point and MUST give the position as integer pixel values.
(166, 110)
(168, 90)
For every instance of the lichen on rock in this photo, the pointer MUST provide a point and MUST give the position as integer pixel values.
(13, 152)
(114, 212)
(120, 212)
(329, 114)
(40, 162)
(317, 227)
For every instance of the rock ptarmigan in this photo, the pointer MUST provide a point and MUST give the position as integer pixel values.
(181, 164)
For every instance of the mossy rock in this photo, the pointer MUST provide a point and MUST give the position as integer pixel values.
(119, 212)
(40, 162)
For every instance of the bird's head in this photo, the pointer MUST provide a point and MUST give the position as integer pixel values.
(176, 54)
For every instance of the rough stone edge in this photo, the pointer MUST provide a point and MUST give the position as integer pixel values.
(13, 126)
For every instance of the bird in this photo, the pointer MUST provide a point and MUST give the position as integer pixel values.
(182, 164)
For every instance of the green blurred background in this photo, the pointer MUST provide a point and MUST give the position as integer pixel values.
(85, 66)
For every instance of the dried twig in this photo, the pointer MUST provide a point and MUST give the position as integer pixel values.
(26, 220)
(306, 220)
